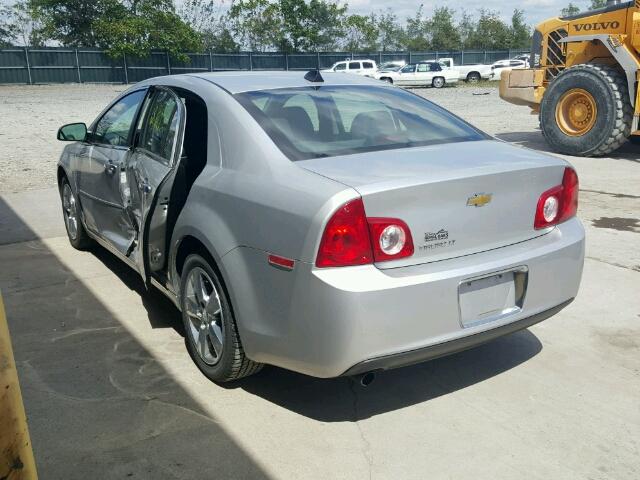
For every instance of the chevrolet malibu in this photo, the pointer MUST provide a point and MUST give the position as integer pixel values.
(328, 224)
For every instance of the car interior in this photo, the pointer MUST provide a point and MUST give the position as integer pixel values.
(335, 122)
(193, 158)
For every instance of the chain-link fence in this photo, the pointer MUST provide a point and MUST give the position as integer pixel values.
(86, 65)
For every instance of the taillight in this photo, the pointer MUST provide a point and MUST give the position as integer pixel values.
(390, 238)
(558, 204)
(350, 238)
(346, 238)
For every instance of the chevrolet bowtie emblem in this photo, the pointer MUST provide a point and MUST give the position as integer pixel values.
(479, 200)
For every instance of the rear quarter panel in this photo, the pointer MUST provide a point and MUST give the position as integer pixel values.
(250, 201)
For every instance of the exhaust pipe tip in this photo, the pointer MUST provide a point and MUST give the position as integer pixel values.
(366, 379)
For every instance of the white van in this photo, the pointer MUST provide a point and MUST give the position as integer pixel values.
(365, 68)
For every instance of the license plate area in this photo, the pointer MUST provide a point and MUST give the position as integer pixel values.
(491, 297)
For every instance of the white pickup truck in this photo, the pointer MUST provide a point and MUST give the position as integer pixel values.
(468, 73)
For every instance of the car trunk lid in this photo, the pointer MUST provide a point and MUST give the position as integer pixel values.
(457, 199)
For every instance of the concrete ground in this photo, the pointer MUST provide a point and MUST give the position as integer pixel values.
(111, 393)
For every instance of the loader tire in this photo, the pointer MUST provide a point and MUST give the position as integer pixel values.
(586, 111)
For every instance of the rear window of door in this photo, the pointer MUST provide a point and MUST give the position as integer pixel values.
(354, 65)
(161, 127)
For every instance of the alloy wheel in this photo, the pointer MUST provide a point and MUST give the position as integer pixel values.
(206, 319)
(70, 211)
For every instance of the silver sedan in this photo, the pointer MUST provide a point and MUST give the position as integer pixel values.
(324, 223)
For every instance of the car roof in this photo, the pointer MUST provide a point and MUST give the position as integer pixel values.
(236, 82)
(354, 60)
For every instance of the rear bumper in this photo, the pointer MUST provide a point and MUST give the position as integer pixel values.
(336, 321)
(412, 357)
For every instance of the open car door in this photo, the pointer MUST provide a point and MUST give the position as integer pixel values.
(152, 170)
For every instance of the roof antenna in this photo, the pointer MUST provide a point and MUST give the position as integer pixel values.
(314, 76)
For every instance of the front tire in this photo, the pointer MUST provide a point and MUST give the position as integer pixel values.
(438, 82)
(387, 79)
(71, 213)
(210, 328)
(586, 111)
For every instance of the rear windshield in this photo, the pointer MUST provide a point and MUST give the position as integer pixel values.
(314, 122)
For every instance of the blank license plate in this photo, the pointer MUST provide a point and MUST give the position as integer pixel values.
(488, 299)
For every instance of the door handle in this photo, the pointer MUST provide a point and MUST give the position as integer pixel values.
(145, 187)
(110, 168)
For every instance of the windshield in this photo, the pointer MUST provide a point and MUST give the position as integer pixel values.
(313, 122)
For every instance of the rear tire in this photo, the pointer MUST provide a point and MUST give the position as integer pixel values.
(387, 79)
(210, 328)
(438, 82)
(473, 77)
(72, 215)
(600, 123)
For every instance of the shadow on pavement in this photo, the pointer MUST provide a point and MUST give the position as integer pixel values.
(99, 404)
(110, 395)
(535, 140)
(161, 312)
(342, 399)
(332, 400)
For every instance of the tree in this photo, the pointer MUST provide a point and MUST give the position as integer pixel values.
(467, 30)
(70, 22)
(415, 34)
(208, 18)
(131, 27)
(221, 41)
(595, 4)
(7, 30)
(257, 25)
(391, 34)
(444, 34)
(324, 25)
(144, 25)
(288, 25)
(201, 15)
(570, 10)
(520, 31)
(490, 32)
(295, 18)
(361, 33)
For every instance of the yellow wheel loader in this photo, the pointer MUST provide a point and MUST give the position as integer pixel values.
(583, 83)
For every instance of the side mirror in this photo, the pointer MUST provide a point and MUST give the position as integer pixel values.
(72, 132)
